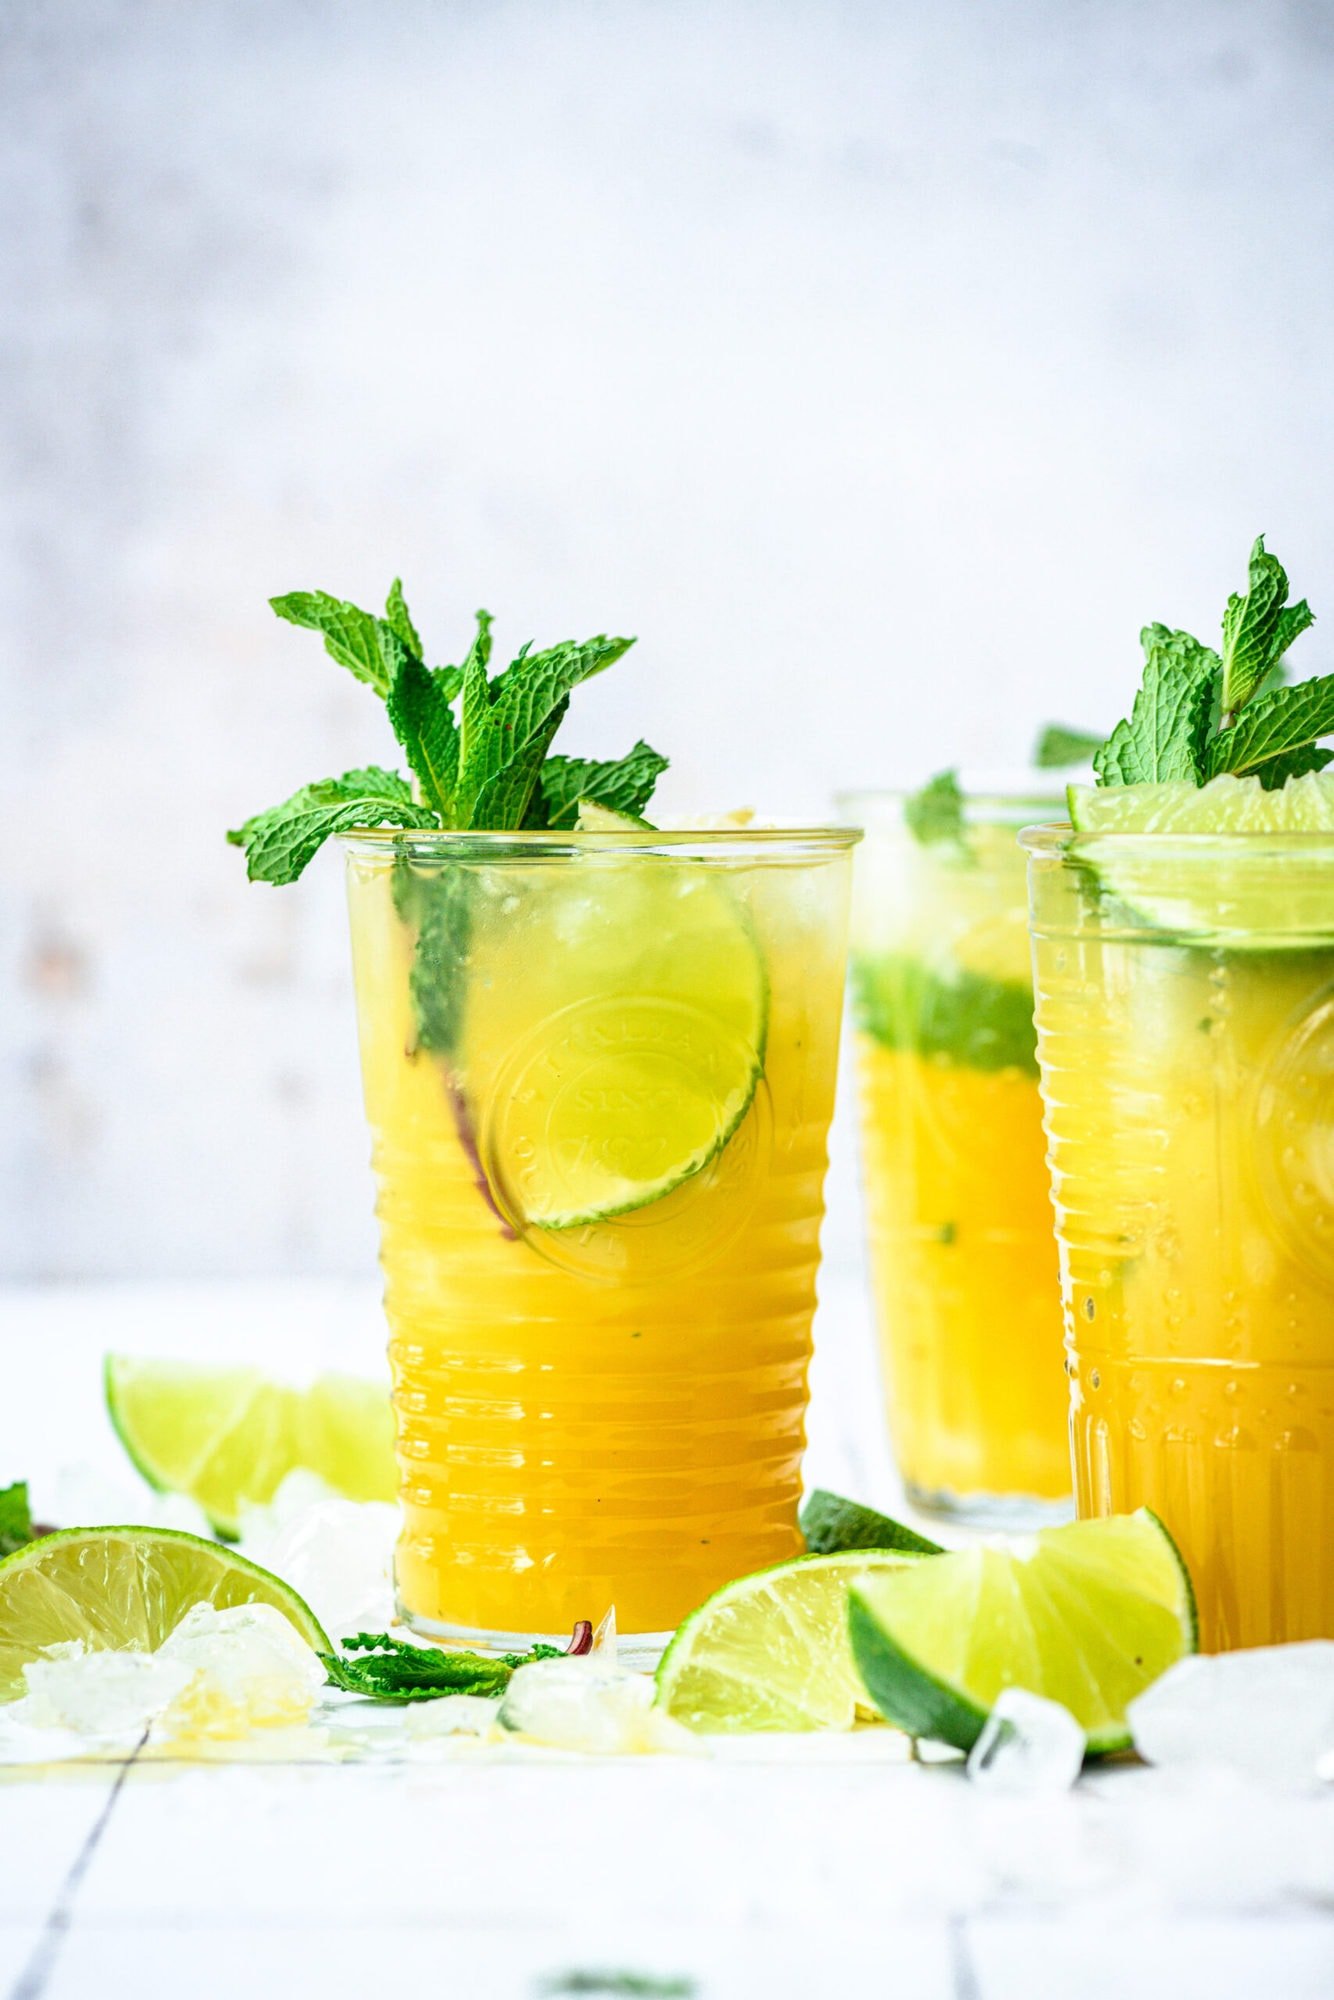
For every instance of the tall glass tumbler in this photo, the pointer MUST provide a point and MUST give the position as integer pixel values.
(963, 1257)
(599, 1071)
(1185, 1010)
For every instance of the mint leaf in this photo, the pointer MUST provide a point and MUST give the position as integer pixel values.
(1251, 628)
(964, 1018)
(936, 812)
(399, 618)
(382, 1668)
(624, 785)
(506, 797)
(424, 724)
(351, 636)
(1059, 747)
(503, 719)
(1295, 764)
(280, 842)
(16, 1529)
(1166, 733)
(1275, 726)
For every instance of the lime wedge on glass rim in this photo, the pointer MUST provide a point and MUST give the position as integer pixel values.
(1262, 896)
(771, 1651)
(613, 1028)
(1087, 1615)
(229, 1436)
(125, 1590)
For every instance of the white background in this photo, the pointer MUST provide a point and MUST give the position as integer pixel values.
(884, 367)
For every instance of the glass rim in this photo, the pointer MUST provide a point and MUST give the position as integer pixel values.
(523, 844)
(1057, 839)
(977, 805)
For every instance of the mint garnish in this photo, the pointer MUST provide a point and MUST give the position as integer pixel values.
(477, 745)
(379, 1667)
(1200, 713)
(16, 1529)
(1057, 748)
(935, 814)
(964, 1018)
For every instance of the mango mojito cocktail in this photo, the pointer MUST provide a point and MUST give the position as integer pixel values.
(963, 1256)
(599, 1068)
(1184, 951)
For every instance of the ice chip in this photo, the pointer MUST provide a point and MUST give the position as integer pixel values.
(1029, 1747)
(588, 1704)
(248, 1669)
(339, 1554)
(604, 1638)
(103, 1697)
(452, 1715)
(1267, 1713)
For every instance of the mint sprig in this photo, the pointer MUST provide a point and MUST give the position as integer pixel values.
(1058, 747)
(478, 746)
(16, 1529)
(1199, 713)
(935, 813)
(379, 1667)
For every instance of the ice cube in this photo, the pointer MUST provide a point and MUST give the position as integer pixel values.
(102, 1697)
(1267, 1713)
(587, 1703)
(339, 1554)
(1029, 1747)
(248, 1668)
(452, 1715)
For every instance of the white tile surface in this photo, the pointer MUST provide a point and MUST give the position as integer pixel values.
(44, 1824)
(1190, 1960)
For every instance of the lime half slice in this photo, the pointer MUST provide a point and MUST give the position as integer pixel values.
(613, 1030)
(1270, 896)
(771, 1651)
(125, 1590)
(225, 1436)
(1087, 1615)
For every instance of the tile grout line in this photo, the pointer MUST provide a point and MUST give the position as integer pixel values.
(963, 1972)
(32, 1981)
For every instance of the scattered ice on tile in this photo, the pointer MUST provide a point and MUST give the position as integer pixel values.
(1267, 1713)
(452, 1715)
(247, 1668)
(339, 1554)
(604, 1637)
(1029, 1747)
(81, 1496)
(101, 1697)
(588, 1704)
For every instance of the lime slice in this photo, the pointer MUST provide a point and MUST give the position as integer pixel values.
(831, 1523)
(1264, 898)
(771, 1650)
(125, 1590)
(225, 1436)
(594, 818)
(613, 1030)
(1087, 1615)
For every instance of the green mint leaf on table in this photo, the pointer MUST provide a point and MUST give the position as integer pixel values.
(1277, 727)
(399, 618)
(1165, 735)
(379, 1667)
(279, 843)
(1258, 628)
(423, 721)
(351, 637)
(936, 812)
(1058, 747)
(624, 785)
(16, 1529)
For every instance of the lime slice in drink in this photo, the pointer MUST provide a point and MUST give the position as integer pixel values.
(125, 1590)
(1087, 1615)
(594, 818)
(771, 1650)
(1261, 899)
(613, 1028)
(225, 1436)
(830, 1523)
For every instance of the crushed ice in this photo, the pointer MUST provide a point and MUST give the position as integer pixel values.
(338, 1554)
(1266, 1713)
(589, 1704)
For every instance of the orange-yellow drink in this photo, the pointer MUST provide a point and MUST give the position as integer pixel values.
(963, 1255)
(1185, 994)
(599, 1071)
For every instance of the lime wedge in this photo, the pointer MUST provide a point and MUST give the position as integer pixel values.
(613, 1031)
(1263, 899)
(831, 1523)
(771, 1650)
(225, 1436)
(594, 818)
(1087, 1615)
(125, 1590)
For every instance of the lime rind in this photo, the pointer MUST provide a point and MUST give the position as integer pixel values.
(99, 1622)
(833, 1525)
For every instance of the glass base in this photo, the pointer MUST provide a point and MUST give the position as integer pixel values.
(1012, 1513)
(639, 1651)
